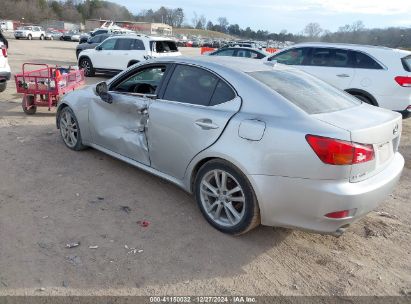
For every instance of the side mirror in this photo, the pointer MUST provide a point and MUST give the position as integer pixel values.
(102, 91)
(98, 48)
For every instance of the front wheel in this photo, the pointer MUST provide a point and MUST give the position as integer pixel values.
(29, 37)
(69, 129)
(226, 198)
(42, 37)
(85, 63)
(28, 105)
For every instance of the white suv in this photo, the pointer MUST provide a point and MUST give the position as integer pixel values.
(120, 52)
(4, 67)
(377, 75)
(30, 32)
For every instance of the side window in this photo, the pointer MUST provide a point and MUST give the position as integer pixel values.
(108, 45)
(330, 58)
(222, 94)
(95, 39)
(144, 81)
(321, 57)
(191, 85)
(362, 61)
(124, 44)
(229, 52)
(137, 45)
(341, 59)
(292, 57)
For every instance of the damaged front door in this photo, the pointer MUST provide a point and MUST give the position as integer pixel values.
(120, 126)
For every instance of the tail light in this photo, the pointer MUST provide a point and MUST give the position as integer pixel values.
(341, 214)
(4, 51)
(339, 152)
(403, 81)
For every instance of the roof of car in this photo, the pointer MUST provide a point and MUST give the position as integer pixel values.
(234, 63)
(243, 48)
(359, 47)
(142, 36)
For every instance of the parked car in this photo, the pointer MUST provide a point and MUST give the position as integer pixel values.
(254, 143)
(239, 52)
(53, 35)
(119, 52)
(91, 43)
(67, 35)
(376, 75)
(75, 37)
(30, 32)
(5, 73)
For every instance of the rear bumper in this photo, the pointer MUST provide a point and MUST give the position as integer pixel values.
(302, 203)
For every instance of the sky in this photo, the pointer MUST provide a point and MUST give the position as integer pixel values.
(291, 15)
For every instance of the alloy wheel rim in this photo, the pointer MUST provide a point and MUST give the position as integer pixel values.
(86, 66)
(68, 129)
(222, 197)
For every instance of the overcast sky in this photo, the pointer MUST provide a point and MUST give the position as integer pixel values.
(292, 15)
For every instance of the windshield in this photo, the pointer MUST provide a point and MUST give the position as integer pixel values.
(27, 28)
(306, 92)
(163, 46)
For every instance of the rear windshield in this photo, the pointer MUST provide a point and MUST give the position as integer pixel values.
(406, 62)
(163, 46)
(307, 92)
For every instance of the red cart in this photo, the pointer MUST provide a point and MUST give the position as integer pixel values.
(44, 86)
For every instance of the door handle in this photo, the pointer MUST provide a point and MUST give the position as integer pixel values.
(206, 124)
(343, 75)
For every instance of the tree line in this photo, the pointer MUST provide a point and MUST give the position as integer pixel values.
(77, 11)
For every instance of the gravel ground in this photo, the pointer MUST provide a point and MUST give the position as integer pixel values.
(51, 196)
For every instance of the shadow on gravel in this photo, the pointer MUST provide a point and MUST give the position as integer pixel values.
(53, 196)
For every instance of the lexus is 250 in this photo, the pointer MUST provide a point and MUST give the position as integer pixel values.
(254, 143)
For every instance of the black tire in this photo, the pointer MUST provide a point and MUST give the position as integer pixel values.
(29, 37)
(3, 86)
(17, 38)
(363, 99)
(251, 214)
(78, 145)
(42, 37)
(28, 100)
(87, 65)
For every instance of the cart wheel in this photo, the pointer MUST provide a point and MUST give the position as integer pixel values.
(28, 100)
(69, 129)
(86, 64)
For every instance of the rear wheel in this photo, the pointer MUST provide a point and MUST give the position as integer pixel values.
(69, 129)
(3, 86)
(29, 37)
(28, 105)
(42, 37)
(226, 198)
(85, 63)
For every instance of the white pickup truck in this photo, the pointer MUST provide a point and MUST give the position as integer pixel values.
(30, 32)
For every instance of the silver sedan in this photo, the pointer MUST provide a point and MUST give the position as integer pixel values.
(255, 143)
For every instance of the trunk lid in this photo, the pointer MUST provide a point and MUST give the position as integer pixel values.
(369, 125)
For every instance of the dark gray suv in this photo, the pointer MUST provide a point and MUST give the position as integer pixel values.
(91, 43)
